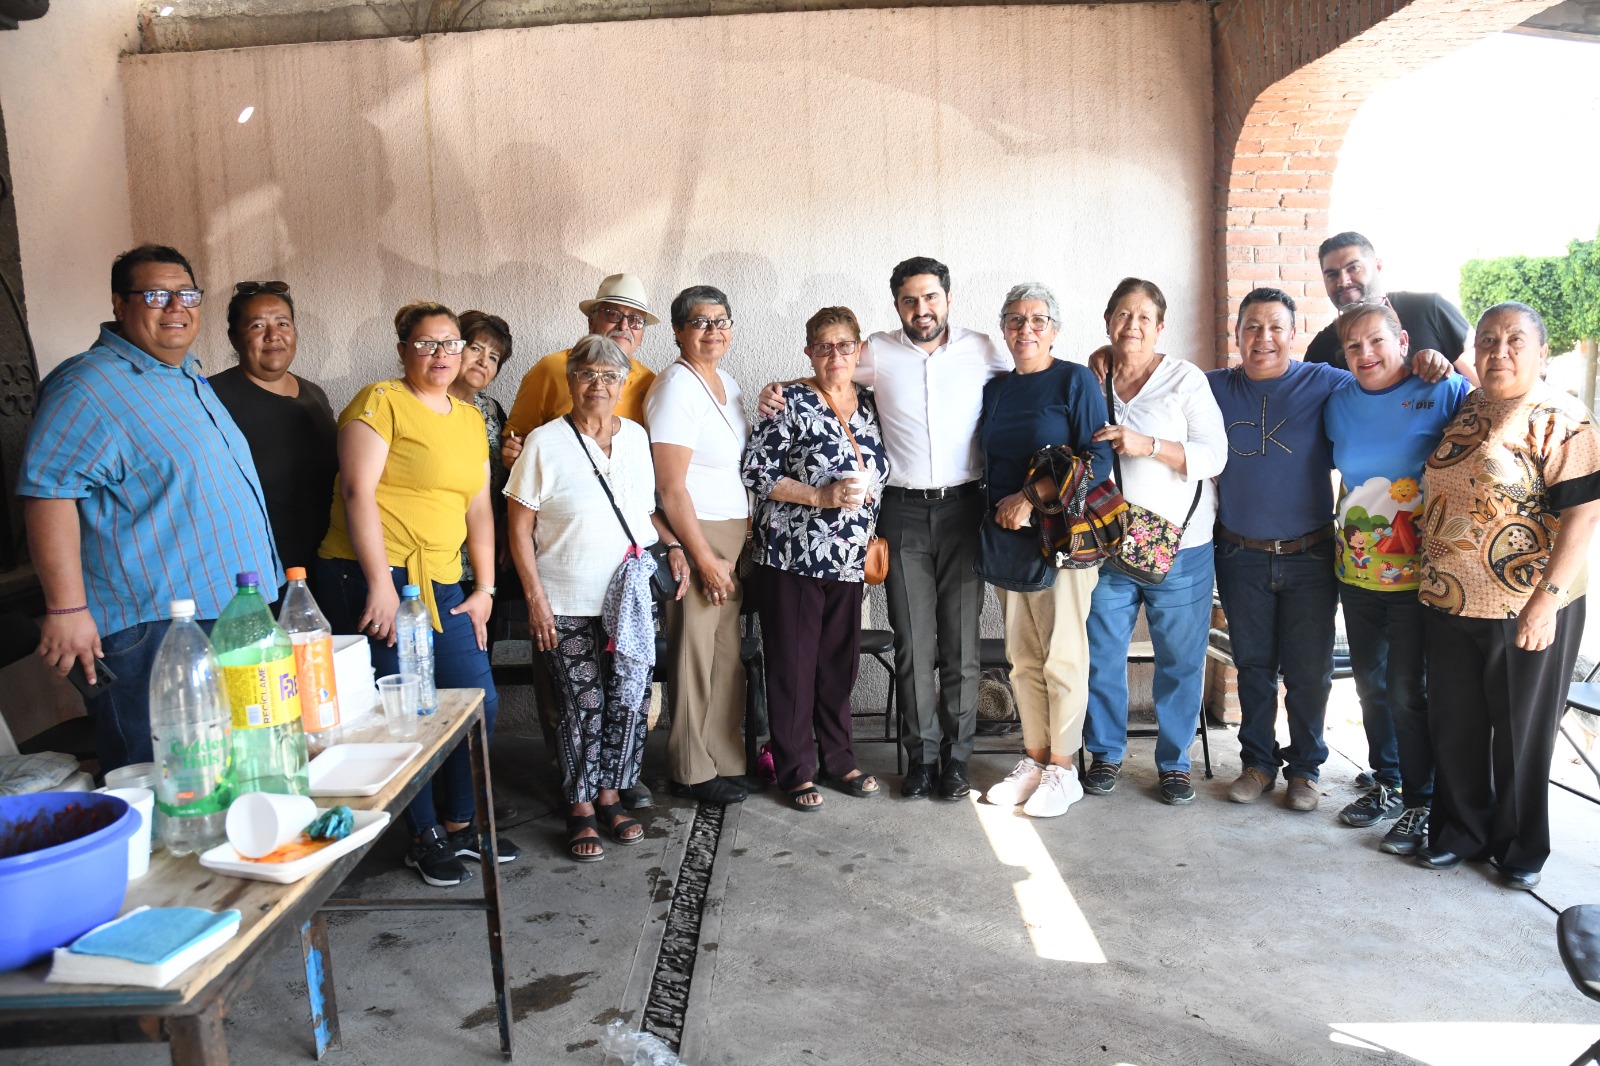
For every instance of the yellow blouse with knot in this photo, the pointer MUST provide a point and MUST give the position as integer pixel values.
(436, 465)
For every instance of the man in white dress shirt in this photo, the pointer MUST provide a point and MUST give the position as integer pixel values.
(928, 377)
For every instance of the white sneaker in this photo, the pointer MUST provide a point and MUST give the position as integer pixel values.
(1059, 788)
(1018, 785)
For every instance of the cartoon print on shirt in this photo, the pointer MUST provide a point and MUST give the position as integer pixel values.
(1378, 538)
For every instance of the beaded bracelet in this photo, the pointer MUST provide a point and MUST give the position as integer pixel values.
(65, 610)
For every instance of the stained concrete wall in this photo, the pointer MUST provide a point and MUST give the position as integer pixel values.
(789, 159)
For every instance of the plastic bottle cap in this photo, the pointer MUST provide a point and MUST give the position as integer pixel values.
(295, 573)
(182, 608)
(411, 592)
(248, 579)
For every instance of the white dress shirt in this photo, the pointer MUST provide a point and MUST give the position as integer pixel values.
(1176, 405)
(929, 404)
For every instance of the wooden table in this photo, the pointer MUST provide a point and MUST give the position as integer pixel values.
(188, 1013)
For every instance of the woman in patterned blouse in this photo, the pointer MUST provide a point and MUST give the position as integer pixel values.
(817, 468)
(1510, 498)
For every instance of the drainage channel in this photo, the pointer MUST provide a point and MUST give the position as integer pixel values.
(668, 1001)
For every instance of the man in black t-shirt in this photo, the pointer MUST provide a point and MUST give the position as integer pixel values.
(1352, 272)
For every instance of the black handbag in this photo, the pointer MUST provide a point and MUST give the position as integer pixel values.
(663, 586)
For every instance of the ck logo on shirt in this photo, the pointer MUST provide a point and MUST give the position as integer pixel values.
(1266, 434)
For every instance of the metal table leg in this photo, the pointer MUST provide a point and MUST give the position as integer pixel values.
(488, 850)
(197, 1039)
(319, 984)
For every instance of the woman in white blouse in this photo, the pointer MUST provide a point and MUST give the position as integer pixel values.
(1170, 440)
(558, 488)
(697, 435)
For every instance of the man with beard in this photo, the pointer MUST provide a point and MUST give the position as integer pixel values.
(929, 378)
(1352, 273)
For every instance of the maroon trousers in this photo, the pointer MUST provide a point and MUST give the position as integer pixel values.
(811, 640)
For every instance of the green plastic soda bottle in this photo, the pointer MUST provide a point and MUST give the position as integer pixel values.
(258, 668)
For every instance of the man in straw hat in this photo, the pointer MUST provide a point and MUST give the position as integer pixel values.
(620, 310)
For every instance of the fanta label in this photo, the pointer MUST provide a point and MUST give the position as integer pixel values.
(265, 695)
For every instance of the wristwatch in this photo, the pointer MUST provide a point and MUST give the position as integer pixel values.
(1155, 447)
(1554, 590)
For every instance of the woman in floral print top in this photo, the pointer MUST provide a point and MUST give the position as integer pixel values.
(817, 468)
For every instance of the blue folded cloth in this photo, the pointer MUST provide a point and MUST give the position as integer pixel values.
(152, 935)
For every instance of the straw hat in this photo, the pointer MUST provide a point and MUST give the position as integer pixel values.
(624, 290)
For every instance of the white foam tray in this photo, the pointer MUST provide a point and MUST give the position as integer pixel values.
(358, 769)
(224, 860)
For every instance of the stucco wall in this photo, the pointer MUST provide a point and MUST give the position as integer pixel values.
(790, 159)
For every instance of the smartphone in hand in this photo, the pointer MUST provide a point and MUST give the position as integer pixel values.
(103, 679)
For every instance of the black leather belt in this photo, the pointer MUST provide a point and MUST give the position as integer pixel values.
(955, 492)
(1293, 546)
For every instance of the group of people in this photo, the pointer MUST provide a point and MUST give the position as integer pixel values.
(1455, 540)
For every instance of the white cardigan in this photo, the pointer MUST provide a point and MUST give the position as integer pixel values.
(1176, 405)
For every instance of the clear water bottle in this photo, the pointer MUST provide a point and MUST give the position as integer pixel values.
(191, 734)
(413, 634)
(257, 657)
(312, 637)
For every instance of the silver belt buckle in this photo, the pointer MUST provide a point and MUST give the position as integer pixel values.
(1277, 547)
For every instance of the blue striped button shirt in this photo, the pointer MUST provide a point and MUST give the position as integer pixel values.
(169, 503)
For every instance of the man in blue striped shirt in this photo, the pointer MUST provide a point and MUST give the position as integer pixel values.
(138, 489)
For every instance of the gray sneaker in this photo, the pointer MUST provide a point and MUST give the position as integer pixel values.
(1408, 834)
(1378, 804)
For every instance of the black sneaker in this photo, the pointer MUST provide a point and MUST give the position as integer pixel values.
(1365, 780)
(1408, 834)
(434, 859)
(1378, 804)
(1102, 778)
(465, 843)
(1175, 787)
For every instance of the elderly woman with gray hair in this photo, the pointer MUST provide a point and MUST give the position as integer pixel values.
(1045, 401)
(586, 484)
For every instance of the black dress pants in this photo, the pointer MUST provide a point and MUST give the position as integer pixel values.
(1494, 711)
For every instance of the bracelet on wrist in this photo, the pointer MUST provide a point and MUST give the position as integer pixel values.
(676, 546)
(1155, 447)
(484, 588)
(66, 610)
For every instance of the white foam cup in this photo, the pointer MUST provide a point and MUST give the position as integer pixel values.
(262, 822)
(401, 693)
(859, 486)
(143, 801)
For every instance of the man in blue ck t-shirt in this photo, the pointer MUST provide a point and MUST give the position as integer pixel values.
(1274, 545)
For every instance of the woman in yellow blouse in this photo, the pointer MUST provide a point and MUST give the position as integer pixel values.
(413, 486)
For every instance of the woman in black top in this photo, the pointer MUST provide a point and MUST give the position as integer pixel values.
(287, 420)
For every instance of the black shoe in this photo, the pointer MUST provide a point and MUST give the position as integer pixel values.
(748, 783)
(465, 843)
(1176, 788)
(1378, 804)
(953, 783)
(638, 797)
(434, 858)
(1408, 833)
(1436, 858)
(1522, 880)
(715, 790)
(1101, 779)
(505, 812)
(918, 782)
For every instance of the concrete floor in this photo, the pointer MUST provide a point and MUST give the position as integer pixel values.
(891, 931)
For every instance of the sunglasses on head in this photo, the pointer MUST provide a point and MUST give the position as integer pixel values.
(250, 288)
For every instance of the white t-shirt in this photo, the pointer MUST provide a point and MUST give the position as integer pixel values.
(681, 410)
(1176, 405)
(578, 541)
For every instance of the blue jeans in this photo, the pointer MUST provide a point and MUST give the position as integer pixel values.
(122, 713)
(1280, 619)
(457, 663)
(1388, 649)
(1179, 613)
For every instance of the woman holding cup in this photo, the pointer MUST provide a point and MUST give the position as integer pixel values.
(817, 467)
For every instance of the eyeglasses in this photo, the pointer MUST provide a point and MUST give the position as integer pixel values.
(163, 297)
(250, 288)
(1014, 323)
(452, 346)
(826, 351)
(707, 325)
(617, 318)
(608, 378)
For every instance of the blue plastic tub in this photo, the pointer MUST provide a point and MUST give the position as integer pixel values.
(63, 869)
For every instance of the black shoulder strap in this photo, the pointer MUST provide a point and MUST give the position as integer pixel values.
(601, 478)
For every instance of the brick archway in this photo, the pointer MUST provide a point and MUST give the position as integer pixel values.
(1289, 76)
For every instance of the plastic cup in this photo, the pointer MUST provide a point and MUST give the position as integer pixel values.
(138, 775)
(144, 801)
(401, 694)
(858, 480)
(262, 822)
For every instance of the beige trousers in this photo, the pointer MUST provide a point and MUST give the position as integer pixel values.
(1048, 648)
(708, 686)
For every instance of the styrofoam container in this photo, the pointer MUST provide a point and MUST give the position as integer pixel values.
(352, 672)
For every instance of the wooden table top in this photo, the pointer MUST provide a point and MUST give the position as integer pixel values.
(262, 905)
